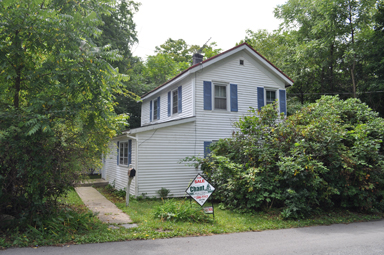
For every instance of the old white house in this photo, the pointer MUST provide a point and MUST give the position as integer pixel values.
(183, 116)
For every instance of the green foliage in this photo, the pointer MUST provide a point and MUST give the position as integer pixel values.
(59, 226)
(117, 193)
(328, 47)
(174, 210)
(56, 105)
(329, 154)
(164, 193)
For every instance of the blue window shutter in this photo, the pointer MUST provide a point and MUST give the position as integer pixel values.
(129, 152)
(169, 103)
(150, 111)
(118, 152)
(158, 108)
(179, 100)
(283, 101)
(206, 148)
(234, 107)
(260, 97)
(207, 95)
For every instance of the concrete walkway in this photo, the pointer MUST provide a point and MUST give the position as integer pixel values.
(108, 211)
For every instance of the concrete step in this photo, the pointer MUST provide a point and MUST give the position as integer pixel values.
(93, 182)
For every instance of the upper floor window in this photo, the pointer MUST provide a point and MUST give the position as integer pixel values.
(155, 113)
(220, 97)
(154, 109)
(174, 101)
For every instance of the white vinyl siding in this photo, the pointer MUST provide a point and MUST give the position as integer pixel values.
(187, 104)
(160, 152)
(118, 174)
(215, 124)
(161, 147)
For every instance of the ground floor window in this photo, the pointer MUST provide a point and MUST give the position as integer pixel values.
(123, 153)
(271, 96)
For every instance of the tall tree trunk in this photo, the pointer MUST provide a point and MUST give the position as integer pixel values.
(17, 87)
(354, 55)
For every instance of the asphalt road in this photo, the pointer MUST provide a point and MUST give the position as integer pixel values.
(358, 238)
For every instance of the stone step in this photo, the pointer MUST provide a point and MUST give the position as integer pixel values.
(92, 182)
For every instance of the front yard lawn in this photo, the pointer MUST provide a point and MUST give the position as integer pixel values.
(142, 213)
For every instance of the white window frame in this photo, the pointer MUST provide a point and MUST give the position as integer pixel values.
(276, 90)
(153, 110)
(173, 102)
(122, 149)
(222, 84)
(266, 99)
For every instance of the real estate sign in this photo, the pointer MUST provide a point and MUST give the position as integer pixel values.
(200, 190)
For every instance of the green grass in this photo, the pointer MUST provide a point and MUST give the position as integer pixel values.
(91, 230)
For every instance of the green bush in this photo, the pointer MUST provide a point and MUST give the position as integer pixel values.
(177, 210)
(164, 192)
(328, 154)
(117, 193)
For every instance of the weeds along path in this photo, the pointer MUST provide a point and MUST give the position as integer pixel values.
(107, 211)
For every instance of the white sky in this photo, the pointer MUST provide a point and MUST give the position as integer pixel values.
(198, 20)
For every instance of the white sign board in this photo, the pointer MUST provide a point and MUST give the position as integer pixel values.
(200, 190)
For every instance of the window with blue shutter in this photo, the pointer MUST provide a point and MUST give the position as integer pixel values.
(233, 91)
(158, 108)
(179, 99)
(169, 103)
(129, 152)
(283, 101)
(207, 95)
(150, 111)
(260, 97)
(206, 148)
(118, 153)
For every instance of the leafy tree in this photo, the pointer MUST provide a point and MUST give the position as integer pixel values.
(56, 110)
(321, 45)
(373, 56)
(329, 154)
(119, 31)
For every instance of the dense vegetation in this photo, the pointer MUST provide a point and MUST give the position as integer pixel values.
(56, 102)
(328, 47)
(328, 155)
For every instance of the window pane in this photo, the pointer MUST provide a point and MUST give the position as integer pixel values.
(155, 110)
(174, 101)
(271, 96)
(220, 91)
(125, 161)
(220, 97)
(220, 103)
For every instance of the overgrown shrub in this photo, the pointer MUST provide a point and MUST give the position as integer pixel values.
(164, 192)
(180, 210)
(118, 193)
(328, 154)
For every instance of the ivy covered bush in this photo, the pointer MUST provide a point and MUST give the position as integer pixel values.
(327, 155)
